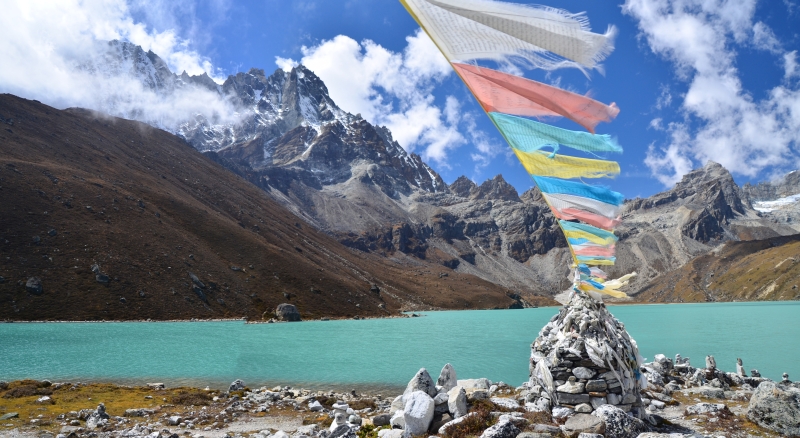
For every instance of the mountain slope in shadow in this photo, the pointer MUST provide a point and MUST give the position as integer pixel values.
(123, 221)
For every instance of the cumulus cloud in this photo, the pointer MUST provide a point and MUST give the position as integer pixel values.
(723, 122)
(394, 89)
(47, 46)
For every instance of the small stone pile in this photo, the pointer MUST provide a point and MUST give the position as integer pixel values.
(583, 359)
(424, 402)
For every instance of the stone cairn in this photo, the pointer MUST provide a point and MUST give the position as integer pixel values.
(583, 359)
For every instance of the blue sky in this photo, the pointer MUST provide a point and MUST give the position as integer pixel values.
(695, 79)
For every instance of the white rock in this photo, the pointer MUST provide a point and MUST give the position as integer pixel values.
(398, 419)
(562, 412)
(421, 381)
(339, 419)
(457, 401)
(390, 433)
(314, 406)
(503, 429)
(340, 408)
(661, 435)
(598, 401)
(280, 434)
(705, 408)
(583, 373)
(571, 387)
(417, 413)
(583, 408)
(468, 384)
(397, 404)
(540, 405)
(443, 429)
(447, 378)
(658, 404)
(508, 403)
(309, 430)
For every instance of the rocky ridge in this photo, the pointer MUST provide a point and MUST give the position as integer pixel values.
(350, 179)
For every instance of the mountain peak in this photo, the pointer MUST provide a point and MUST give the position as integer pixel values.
(463, 186)
(496, 189)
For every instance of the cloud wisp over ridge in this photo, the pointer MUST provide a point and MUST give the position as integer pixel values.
(720, 119)
(48, 47)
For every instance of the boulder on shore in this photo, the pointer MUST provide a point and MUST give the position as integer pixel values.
(34, 286)
(236, 385)
(776, 407)
(421, 381)
(417, 413)
(457, 401)
(618, 423)
(287, 312)
(447, 378)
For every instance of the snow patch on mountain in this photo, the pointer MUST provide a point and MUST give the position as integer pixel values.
(770, 206)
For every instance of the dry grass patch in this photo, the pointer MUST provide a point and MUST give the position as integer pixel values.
(27, 388)
(21, 396)
(191, 397)
(479, 419)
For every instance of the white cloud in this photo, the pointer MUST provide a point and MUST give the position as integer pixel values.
(671, 164)
(286, 64)
(665, 99)
(790, 66)
(724, 122)
(764, 38)
(657, 124)
(45, 42)
(485, 149)
(392, 89)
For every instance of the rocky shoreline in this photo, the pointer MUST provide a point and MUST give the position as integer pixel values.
(679, 401)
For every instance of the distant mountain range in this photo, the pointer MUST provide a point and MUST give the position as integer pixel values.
(351, 180)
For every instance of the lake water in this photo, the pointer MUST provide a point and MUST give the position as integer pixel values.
(382, 354)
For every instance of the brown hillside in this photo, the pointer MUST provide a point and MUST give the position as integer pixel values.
(761, 270)
(78, 189)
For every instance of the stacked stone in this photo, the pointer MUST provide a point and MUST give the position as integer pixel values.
(583, 359)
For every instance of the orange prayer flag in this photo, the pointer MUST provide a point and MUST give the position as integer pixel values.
(504, 93)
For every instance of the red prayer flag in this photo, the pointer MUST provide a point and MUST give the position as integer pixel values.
(505, 93)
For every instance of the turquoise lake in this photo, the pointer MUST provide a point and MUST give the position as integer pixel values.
(382, 354)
